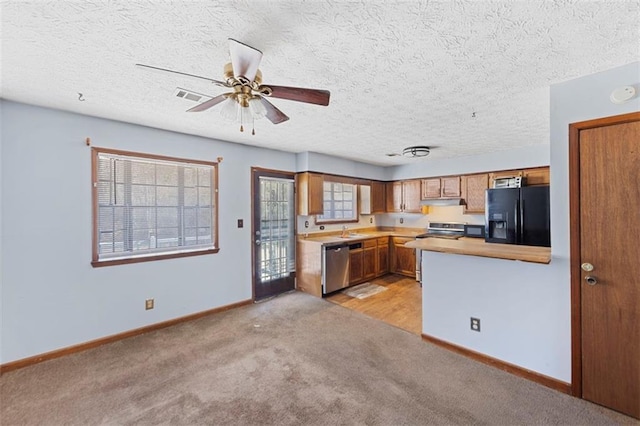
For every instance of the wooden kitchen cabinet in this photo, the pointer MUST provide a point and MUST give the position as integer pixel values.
(431, 188)
(450, 186)
(310, 187)
(369, 259)
(404, 196)
(533, 176)
(378, 197)
(382, 252)
(473, 192)
(356, 265)
(537, 176)
(441, 187)
(403, 260)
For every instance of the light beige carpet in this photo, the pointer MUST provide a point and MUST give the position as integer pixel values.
(293, 360)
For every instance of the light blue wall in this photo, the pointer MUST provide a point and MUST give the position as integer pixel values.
(51, 296)
(529, 156)
(312, 161)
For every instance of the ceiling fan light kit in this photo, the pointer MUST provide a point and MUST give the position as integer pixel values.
(247, 102)
(416, 151)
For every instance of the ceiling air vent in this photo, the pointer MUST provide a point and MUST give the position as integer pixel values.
(189, 95)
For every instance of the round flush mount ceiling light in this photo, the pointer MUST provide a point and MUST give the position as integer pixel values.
(416, 151)
(622, 94)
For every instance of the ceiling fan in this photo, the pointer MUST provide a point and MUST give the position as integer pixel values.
(247, 99)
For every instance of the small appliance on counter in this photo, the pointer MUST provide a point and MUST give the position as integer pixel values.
(509, 182)
(474, 231)
(518, 216)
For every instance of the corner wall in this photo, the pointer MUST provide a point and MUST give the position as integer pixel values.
(51, 296)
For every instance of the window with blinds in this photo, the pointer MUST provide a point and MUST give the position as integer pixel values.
(149, 207)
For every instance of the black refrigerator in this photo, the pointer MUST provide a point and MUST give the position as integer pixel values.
(518, 216)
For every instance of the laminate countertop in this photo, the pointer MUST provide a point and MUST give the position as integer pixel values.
(478, 247)
(357, 236)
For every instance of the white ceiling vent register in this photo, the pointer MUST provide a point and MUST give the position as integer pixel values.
(189, 95)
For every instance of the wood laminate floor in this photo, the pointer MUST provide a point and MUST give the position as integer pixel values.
(400, 305)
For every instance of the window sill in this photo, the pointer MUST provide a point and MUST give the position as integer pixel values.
(127, 260)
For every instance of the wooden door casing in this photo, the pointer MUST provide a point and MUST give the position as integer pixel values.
(605, 194)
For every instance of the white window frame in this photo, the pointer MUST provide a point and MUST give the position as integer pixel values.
(335, 207)
(130, 247)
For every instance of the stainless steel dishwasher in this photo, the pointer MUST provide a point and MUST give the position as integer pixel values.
(335, 267)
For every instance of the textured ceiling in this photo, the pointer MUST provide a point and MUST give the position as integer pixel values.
(400, 72)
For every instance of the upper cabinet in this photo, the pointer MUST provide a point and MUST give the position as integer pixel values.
(441, 187)
(473, 192)
(403, 196)
(450, 187)
(378, 197)
(537, 176)
(533, 177)
(431, 188)
(310, 193)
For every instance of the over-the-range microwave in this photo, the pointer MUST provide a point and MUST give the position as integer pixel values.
(508, 182)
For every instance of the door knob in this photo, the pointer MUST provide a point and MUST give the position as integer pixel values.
(591, 280)
(258, 242)
(587, 267)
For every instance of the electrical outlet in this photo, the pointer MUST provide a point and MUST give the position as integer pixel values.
(370, 220)
(306, 223)
(148, 304)
(475, 324)
(401, 220)
(322, 227)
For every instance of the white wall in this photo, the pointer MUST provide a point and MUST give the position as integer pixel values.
(315, 162)
(525, 157)
(526, 309)
(514, 301)
(51, 296)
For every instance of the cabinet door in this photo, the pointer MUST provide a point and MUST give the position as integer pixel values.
(473, 192)
(369, 263)
(355, 266)
(382, 265)
(450, 186)
(431, 188)
(537, 176)
(411, 196)
(310, 193)
(378, 197)
(404, 258)
(394, 196)
(503, 174)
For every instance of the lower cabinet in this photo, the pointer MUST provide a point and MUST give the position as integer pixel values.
(403, 259)
(382, 253)
(369, 259)
(356, 266)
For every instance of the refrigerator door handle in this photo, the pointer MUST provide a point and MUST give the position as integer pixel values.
(516, 218)
(521, 221)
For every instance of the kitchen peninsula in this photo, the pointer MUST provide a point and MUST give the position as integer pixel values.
(480, 299)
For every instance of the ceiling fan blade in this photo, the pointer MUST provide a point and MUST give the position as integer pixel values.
(310, 96)
(244, 60)
(208, 104)
(149, 67)
(273, 114)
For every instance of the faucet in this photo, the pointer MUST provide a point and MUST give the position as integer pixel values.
(344, 234)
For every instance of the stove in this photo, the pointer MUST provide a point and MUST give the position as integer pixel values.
(446, 230)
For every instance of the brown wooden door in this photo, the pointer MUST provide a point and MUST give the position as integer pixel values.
(394, 196)
(273, 233)
(609, 170)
